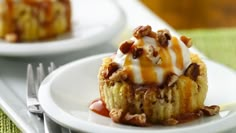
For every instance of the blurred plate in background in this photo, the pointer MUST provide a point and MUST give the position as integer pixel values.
(94, 22)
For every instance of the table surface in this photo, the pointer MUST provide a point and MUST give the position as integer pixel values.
(13, 70)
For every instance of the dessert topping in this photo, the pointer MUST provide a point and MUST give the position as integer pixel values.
(142, 31)
(193, 71)
(151, 56)
(11, 37)
(136, 119)
(125, 46)
(119, 116)
(116, 115)
(187, 41)
(112, 67)
(163, 36)
(137, 52)
(210, 110)
(171, 79)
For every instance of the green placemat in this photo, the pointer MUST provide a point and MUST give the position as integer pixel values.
(6, 125)
(218, 44)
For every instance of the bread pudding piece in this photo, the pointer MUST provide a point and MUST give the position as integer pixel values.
(153, 78)
(31, 20)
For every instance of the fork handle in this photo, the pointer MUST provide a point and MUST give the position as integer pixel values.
(50, 126)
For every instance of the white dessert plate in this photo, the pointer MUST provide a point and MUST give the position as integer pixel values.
(65, 96)
(93, 23)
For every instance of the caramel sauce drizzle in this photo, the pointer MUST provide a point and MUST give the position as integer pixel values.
(178, 52)
(147, 68)
(148, 73)
(167, 61)
(128, 65)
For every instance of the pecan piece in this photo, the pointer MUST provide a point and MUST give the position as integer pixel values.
(135, 119)
(193, 71)
(210, 110)
(112, 67)
(142, 31)
(137, 52)
(125, 46)
(119, 75)
(171, 79)
(162, 37)
(187, 41)
(116, 115)
(11, 37)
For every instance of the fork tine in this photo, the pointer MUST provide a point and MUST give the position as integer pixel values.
(40, 73)
(32, 102)
(52, 67)
(30, 82)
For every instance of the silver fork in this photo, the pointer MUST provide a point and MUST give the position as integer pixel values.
(32, 99)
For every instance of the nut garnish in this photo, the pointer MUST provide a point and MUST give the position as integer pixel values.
(125, 46)
(142, 31)
(11, 37)
(152, 34)
(192, 71)
(112, 67)
(136, 119)
(162, 37)
(210, 110)
(137, 52)
(116, 115)
(171, 79)
(187, 41)
(119, 75)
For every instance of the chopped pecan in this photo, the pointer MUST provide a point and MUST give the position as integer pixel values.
(112, 67)
(187, 41)
(162, 37)
(193, 71)
(136, 119)
(142, 31)
(210, 110)
(11, 37)
(155, 53)
(119, 75)
(116, 115)
(137, 52)
(125, 46)
(152, 34)
(171, 79)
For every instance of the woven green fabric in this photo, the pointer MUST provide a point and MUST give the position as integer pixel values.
(218, 44)
(6, 125)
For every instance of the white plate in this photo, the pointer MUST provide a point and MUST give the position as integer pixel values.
(65, 96)
(94, 22)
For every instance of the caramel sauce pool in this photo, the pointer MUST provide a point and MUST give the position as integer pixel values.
(99, 107)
